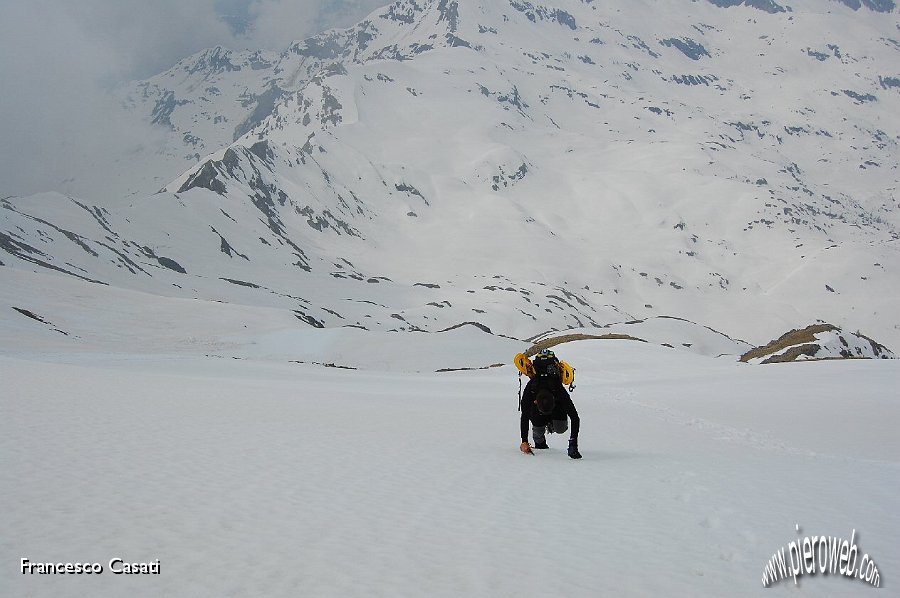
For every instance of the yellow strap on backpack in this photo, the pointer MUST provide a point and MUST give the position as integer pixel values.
(524, 365)
(566, 373)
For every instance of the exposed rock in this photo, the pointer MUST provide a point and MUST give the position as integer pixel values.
(769, 6)
(819, 341)
(171, 264)
(687, 46)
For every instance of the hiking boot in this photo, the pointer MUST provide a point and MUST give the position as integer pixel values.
(541, 445)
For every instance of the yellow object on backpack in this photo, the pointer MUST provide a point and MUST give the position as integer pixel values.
(525, 366)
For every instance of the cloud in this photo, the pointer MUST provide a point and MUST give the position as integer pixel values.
(59, 60)
(276, 23)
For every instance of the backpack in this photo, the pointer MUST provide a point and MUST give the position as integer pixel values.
(546, 364)
(546, 368)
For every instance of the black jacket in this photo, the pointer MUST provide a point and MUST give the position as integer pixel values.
(563, 408)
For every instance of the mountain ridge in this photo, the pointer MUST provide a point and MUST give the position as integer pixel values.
(524, 165)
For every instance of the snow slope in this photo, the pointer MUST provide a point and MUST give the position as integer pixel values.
(434, 189)
(254, 477)
(525, 166)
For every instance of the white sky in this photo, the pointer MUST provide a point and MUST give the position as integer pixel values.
(58, 58)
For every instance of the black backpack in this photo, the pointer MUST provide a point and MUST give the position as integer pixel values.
(546, 365)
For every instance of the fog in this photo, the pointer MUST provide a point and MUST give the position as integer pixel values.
(59, 61)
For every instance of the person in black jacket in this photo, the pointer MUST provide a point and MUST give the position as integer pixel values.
(548, 407)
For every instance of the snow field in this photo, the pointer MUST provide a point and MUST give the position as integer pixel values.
(264, 478)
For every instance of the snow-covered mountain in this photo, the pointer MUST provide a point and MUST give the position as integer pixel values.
(520, 166)
(210, 374)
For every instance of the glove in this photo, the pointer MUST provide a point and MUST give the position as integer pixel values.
(573, 449)
(526, 448)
